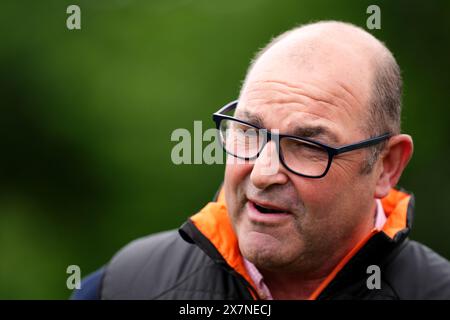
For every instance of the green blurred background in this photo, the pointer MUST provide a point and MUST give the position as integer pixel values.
(86, 118)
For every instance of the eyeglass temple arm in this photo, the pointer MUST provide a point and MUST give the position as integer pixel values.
(228, 107)
(363, 144)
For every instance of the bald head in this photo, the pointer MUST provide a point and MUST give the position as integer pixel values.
(344, 54)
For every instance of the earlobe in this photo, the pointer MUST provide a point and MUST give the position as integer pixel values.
(394, 159)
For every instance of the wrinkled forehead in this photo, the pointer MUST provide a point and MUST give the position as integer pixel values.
(308, 108)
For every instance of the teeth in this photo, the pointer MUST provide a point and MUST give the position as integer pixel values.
(265, 210)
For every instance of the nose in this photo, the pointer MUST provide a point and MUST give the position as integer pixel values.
(267, 169)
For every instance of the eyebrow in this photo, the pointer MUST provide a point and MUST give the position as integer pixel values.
(314, 132)
(250, 118)
(307, 131)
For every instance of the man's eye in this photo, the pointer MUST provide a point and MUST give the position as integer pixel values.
(308, 150)
(302, 146)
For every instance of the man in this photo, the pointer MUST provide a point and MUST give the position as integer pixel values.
(310, 211)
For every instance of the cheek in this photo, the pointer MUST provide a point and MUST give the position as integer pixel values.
(235, 175)
(347, 167)
(317, 195)
(328, 201)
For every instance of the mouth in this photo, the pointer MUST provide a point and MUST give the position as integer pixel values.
(267, 214)
(267, 208)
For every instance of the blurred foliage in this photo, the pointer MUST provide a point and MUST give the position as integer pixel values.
(86, 118)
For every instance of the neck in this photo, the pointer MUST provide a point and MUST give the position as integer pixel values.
(290, 286)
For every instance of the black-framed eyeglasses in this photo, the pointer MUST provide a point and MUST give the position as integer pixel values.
(302, 156)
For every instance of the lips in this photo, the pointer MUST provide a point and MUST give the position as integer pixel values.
(267, 208)
(266, 214)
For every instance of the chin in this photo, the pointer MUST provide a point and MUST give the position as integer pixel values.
(266, 251)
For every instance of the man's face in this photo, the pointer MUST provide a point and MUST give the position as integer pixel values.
(320, 218)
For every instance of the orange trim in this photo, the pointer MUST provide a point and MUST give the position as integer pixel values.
(395, 206)
(341, 265)
(214, 223)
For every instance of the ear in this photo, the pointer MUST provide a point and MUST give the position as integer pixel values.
(393, 161)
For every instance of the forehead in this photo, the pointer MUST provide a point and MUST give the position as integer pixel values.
(311, 108)
(306, 80)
